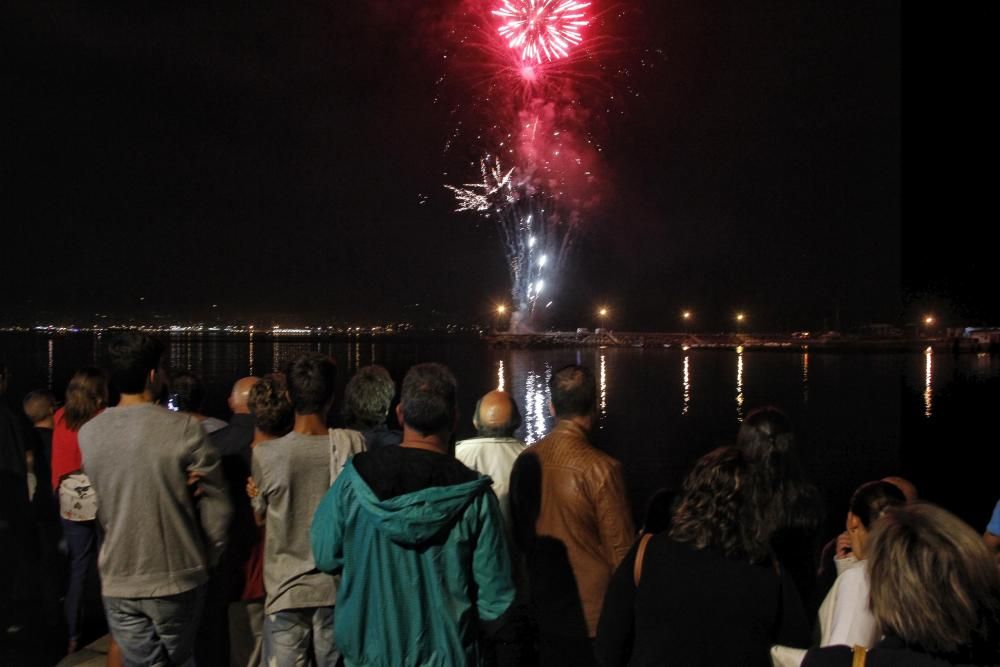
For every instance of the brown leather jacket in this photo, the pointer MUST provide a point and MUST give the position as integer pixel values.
(568, 501)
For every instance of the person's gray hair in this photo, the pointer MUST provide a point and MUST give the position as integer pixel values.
(367, 398)
(934, 583)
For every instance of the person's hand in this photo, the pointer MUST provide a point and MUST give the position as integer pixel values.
(251, 488)
(844, 548)
(193, 478)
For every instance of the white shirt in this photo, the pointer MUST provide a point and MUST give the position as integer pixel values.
(494, 457)
(845, 616)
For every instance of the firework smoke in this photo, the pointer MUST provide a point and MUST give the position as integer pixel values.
(537, 160)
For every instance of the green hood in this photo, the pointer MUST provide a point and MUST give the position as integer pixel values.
(416, 517)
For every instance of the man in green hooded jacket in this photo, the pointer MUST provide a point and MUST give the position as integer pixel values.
(419, 539)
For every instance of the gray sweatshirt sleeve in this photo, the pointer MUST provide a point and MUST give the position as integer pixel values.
(214, 508)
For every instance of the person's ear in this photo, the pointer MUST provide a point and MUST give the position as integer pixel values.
(552, 409)
(399, 413)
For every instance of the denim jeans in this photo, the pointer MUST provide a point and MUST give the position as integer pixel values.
(156, 632)
(82, 544)
(300, 637)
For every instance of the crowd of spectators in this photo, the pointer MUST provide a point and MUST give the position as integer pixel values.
(277, 540)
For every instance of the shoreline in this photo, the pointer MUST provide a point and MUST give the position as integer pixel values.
(565, 339)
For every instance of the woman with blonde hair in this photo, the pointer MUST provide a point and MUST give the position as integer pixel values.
(86, 395)
(935, 593)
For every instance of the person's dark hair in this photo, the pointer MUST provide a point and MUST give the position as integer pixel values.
(132, 355)
(428, 398)
(184, 392)
(367, 398)
(269, 404)
(782, 498)
(500, 430)
(935, 584)
(573, 391)
(39, 405)
(873, 499)
(86, 394)
(716, 510)
(310, 377)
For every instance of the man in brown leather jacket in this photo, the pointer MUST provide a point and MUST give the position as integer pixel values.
(572, 521)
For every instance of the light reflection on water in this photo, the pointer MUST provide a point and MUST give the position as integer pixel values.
(250, 354)
(500, 378)
(51, 363)
(604, 385)
(686, 380)
(928, 382)
(739, 383)
(536, 402)
(805, 377)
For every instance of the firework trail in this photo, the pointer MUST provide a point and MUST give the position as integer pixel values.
(536, 233)
(531, 52)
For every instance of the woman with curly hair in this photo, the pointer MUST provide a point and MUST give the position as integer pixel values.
(707, 592)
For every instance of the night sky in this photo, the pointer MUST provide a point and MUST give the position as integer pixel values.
(286, 160)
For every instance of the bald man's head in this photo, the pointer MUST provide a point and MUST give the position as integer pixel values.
(496, 415)
(240, 394)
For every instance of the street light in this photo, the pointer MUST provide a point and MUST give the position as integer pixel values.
(602, 313)
(740, 318)
(501, 309)
(929, 320)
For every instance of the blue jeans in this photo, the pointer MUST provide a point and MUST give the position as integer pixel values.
(156, 632)
(81, 543)
(300, 637)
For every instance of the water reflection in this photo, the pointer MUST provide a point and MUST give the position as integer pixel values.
(275, 355)
(686, 380)
(250, 353)
(739, 383)
(500, 379)
(604, 387)
(928, 381)
(536, 401)
(51, 361)
(805, 377)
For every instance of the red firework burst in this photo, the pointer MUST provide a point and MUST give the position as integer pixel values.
(543, 30)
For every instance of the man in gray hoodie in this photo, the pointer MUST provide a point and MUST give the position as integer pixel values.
(161, 532)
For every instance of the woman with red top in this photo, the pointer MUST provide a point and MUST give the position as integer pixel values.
(86, 395)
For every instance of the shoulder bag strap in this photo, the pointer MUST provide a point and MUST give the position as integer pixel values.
(639, 555)
(860, 655)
